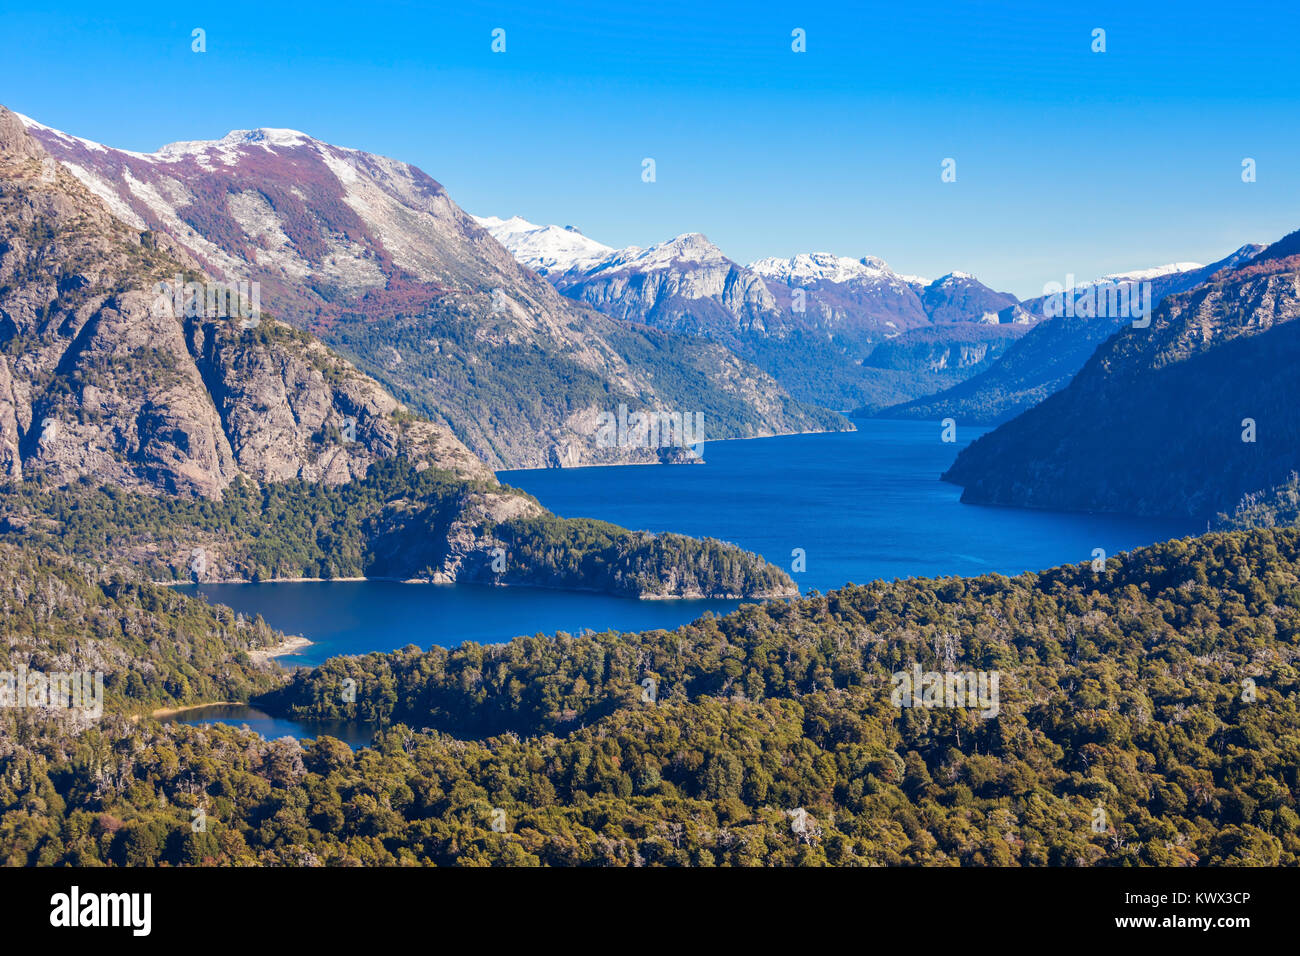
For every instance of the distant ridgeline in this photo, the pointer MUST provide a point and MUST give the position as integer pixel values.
(1145, 713)
(1046, 358)
(1186, 417)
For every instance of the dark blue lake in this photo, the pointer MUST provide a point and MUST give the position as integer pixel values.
(861, 505)
(355, 735)
(356, 617)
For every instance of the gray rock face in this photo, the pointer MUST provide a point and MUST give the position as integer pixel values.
(99, 376)
(457, 547)
(684, 285)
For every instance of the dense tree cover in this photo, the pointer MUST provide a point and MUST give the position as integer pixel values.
(1038, 365)
(397, 521)
(816, 371)
(154, 646)
(581, 553)
(1161, 692)
(922, 361)
(1276, 507)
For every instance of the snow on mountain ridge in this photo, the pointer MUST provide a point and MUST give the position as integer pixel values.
(1153, 272)
(227, 146)
(812, 267)
(553, 250)
(30, 123)
(545, 249)
(689, 247)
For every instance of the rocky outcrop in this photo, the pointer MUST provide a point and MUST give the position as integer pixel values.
(448, 542)
(100, 376)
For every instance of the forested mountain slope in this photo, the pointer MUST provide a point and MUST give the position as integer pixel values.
(105, 385)
(1182, 418)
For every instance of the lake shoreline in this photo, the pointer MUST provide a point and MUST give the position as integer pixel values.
(860, 507)
(266, 655)
(454, 584)
(164, 713)
(700, 461)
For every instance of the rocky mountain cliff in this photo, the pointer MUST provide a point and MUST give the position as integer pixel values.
(100, 376)
(373, 256)
(685, 285)
(1183, 418)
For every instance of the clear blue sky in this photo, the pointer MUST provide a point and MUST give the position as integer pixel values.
(1067, 160)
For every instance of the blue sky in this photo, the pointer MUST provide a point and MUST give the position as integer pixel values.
(1068, 161)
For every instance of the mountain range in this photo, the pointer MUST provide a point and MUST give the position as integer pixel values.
(489, 363)
(834, 331)
(373, 256)
(1048, 356)
(139, 428)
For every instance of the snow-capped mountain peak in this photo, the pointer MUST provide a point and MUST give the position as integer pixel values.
(555, 250)
(546, 249)
(1141, 275)
(812, 267)
(227, 148)
(1156, 272)
(690, 248)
